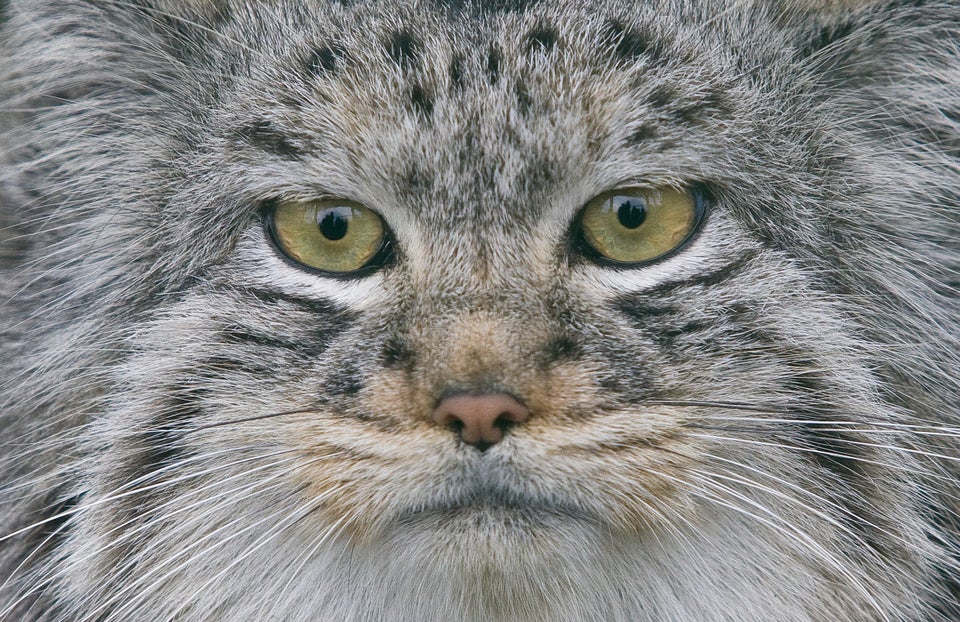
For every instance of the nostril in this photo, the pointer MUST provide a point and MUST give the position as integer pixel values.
(480, 420)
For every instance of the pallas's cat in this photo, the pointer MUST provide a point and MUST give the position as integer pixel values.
(482, 311)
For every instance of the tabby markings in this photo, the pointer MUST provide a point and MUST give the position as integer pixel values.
(263, 135)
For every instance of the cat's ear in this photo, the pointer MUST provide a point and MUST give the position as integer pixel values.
(851, 38)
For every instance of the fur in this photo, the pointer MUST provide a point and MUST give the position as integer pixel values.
(760, 426)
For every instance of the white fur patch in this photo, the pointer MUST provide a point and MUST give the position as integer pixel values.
(268, 270)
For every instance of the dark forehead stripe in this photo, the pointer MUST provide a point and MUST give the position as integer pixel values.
(160, 443)
(263, 135)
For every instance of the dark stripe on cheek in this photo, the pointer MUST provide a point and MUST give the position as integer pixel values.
(636, 309)
(834, 449)
(396, 353)
(216, 367)
(64, 511)
(234, 334)
(161, 441)
(344, 379)
(705, 280)
(560, 349)
(318, 307)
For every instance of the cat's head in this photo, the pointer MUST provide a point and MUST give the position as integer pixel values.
(522, 309)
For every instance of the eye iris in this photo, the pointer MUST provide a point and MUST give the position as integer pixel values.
(334, 223)
(336, 236)
(631, 211)
(636, 226)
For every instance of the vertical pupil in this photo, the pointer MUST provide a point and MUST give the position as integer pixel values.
(333, 223)
(631, 211)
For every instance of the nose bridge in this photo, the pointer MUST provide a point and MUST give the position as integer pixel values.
(478, 346)
(476, 331)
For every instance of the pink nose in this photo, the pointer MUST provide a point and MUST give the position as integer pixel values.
(480, 419)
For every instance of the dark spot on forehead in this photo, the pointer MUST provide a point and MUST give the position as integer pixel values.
(494, 59)
(825, 37)
(524, 101)
(662, 96)
(641, 134)
(404, 48)
(323, 60)
(538, 174)
(262, 134)
(415, 180)
(422, 102)
(486, 6)
(630, 44)
(541, 38)
(456, 73)
(699, 111)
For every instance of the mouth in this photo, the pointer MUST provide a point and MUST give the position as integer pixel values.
(496, 505)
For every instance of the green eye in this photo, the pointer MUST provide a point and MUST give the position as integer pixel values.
(332, 236)
(634, 226)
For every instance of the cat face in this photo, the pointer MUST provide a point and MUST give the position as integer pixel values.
(395, 342)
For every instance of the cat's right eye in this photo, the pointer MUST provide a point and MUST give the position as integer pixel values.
(338, 237)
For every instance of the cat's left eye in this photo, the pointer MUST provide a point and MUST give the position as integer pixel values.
(636, 226)
(338, 237)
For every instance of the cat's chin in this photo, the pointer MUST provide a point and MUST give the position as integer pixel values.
(505, 516)
(483, 526)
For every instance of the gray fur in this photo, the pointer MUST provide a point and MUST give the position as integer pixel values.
(760, 427)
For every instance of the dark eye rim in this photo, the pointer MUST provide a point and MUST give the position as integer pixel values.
(384, 257)
(581, 247)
